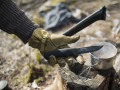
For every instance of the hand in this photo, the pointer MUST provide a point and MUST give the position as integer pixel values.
(47, 42)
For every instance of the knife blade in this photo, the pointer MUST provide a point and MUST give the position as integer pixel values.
(65, 52)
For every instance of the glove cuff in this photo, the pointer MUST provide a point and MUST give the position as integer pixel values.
(38, 39)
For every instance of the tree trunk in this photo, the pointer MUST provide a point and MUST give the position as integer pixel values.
(103, 80)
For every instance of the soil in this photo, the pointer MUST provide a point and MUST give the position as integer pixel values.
(15, 56)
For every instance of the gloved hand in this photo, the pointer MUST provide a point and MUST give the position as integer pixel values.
(47, 42)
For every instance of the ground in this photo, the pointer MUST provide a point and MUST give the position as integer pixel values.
(15, 57)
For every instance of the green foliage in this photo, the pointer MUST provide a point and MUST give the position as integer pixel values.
(40, 79)
(14, 36)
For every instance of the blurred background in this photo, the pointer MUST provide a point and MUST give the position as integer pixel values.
(55, 16)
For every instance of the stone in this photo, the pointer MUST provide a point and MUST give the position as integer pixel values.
(3, 84)
(99, 33)
(26, 1)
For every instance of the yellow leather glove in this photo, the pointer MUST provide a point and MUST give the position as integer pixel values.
(47, 42)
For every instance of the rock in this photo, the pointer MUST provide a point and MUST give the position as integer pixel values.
(3, 84)
(24, 70)
(8, 70)
(108, 15)
(119, 72)
(26, 88)
(116, 27)
(90, 38)
(34, 85)
(0, 62)
(117, 63)
(99, 33)
(23, 2)
(77, 13)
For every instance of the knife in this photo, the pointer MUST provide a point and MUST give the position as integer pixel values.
(65, 52)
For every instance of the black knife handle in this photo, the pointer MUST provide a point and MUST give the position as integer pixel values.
(61, 53)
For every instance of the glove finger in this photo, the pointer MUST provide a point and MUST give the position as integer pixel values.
(74, 66)
(59, 40)
(80, 59)
(52, 60)
(70, 61)
(61, 62)
(71, 39)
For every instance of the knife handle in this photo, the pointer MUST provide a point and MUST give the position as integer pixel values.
(62, 53)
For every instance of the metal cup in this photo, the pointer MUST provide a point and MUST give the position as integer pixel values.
(104, 58)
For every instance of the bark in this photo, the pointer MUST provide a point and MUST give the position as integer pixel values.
(104, 80)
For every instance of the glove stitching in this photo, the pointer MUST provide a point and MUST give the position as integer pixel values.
(52, 42)
(38, 45)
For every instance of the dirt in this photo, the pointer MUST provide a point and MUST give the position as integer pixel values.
(15, 56)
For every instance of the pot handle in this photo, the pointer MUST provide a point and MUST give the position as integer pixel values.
(94, 58)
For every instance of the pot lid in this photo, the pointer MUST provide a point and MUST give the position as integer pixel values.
(107, 51)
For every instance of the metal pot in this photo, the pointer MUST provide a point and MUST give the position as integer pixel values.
(103, 58)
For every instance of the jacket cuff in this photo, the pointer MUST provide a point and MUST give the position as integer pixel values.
(25, 29)
(14, 21)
